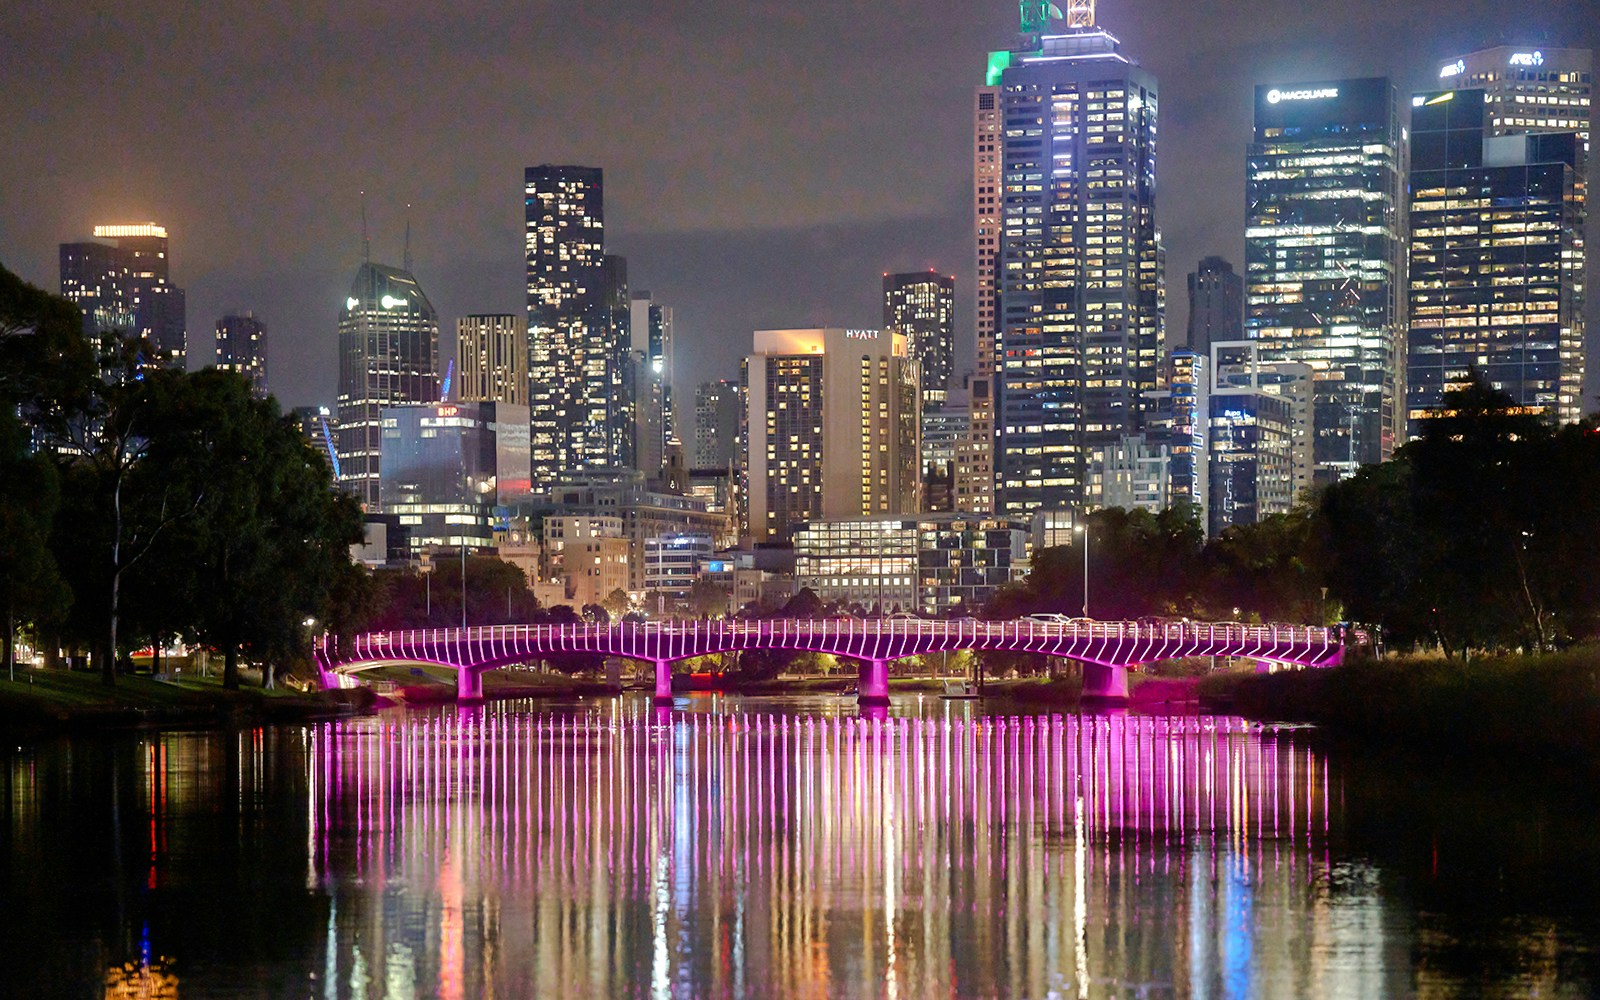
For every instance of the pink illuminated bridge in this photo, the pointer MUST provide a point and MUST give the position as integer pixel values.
(1107, 650)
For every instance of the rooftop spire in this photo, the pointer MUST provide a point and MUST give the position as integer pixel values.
(406, 257)
(366, 241)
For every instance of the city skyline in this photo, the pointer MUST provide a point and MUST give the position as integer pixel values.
(844, 215)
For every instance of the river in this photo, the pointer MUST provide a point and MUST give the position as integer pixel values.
(786, 847)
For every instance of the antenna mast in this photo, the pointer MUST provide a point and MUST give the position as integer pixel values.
(1080, 13)
(406, 257)
(366, 241)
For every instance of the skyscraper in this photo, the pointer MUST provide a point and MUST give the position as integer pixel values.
(388, 354)
(579, 365)
(832, 425)
(1530, 90)
(656, 419)
(242, 347)
(1078, 267)
(717, 410)
(492, 358)
(1323, 264)
(1216, 304)
(123, 283)
(975, 457)
(922, 305)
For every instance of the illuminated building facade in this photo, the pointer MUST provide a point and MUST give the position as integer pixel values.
(492, 359)
(1496, 281)
(1259, 429)
(447, 466)
(932, 565)
(833, 422)
(241, 347)
(1530, 90)
(388, 355)
(1135, 473)
(922, 306)
(579, 361)
(944, 432)
(1180, 408)
(1078, 327)
(122, 282)
(1323, 257)
(656, 422)
(672, 563)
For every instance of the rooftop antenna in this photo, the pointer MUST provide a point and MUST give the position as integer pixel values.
(1037, 14)
(406, 257)
(1080, 14)
(366, 241)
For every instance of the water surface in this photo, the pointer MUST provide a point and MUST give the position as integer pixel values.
(783, 847)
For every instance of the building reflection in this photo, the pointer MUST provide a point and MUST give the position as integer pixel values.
(505, 853)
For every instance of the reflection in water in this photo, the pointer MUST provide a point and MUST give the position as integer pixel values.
(726, 855)
(503, 852)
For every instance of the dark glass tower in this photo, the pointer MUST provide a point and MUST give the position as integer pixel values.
(1079, 285)
(1496, 259)
(388, 354)
(1216, 305)
(242, 347)
(123, 283)
(1323, 257)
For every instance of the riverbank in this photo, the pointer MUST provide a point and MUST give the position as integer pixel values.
(1527, 705)
(60, 700)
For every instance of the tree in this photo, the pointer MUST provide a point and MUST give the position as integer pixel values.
(708, 598)
(31, 588)
(616, 603)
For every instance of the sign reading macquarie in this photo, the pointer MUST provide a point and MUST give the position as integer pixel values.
(1293, 104)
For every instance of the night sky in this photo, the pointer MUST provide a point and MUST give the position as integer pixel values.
(764, 162)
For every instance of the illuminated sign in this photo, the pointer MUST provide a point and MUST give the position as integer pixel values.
(1527, 59)
(350, 304)
(861, 334)
(390, 302)
(117, 232)
(448, 411)
(1310, 94)
(1454, 69)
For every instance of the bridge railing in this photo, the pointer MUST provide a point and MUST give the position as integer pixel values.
(1021, 630)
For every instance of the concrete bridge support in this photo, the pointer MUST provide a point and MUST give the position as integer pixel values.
(873, 687)
(663, 682)
(1105, 684)
(469, 684)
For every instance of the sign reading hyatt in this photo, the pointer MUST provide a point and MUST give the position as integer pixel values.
(861, 334)
(1274, 96)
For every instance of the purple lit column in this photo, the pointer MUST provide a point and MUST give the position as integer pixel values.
(469, 685)
(1105, 683)
(873, 687)
(663, 682)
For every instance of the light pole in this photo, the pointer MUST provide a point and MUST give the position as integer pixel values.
(1083, 529)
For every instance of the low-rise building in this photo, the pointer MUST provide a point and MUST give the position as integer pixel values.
(672, 563)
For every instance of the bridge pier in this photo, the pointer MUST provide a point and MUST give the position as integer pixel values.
(469, 685)
(1105, 684)
(663, 682)
(873, 686)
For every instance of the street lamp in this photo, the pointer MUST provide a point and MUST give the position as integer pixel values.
(1083, 529)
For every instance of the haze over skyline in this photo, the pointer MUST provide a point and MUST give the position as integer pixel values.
(765, 162)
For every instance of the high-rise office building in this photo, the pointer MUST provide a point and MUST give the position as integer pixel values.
(718, 408)
(922, 306)
(123, 283)
(1078, 331)
(832, 422)
(492, 358)
(1323, 257)
(1259, 435)
(1496, 281)
(1216, 304)
(242, 347)
(975, 456)
(656, 418)
(1530, 90)
(448, 465)
(1178, 420)
(388, 354)
(578, 370)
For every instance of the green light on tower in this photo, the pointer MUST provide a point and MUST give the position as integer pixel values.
(999, 62)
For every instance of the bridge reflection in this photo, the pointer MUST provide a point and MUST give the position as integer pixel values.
(770, 854)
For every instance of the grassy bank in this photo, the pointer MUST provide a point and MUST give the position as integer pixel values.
(44, 700)
(1521, 704)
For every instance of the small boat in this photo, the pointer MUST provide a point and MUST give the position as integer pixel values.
(959, 690)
